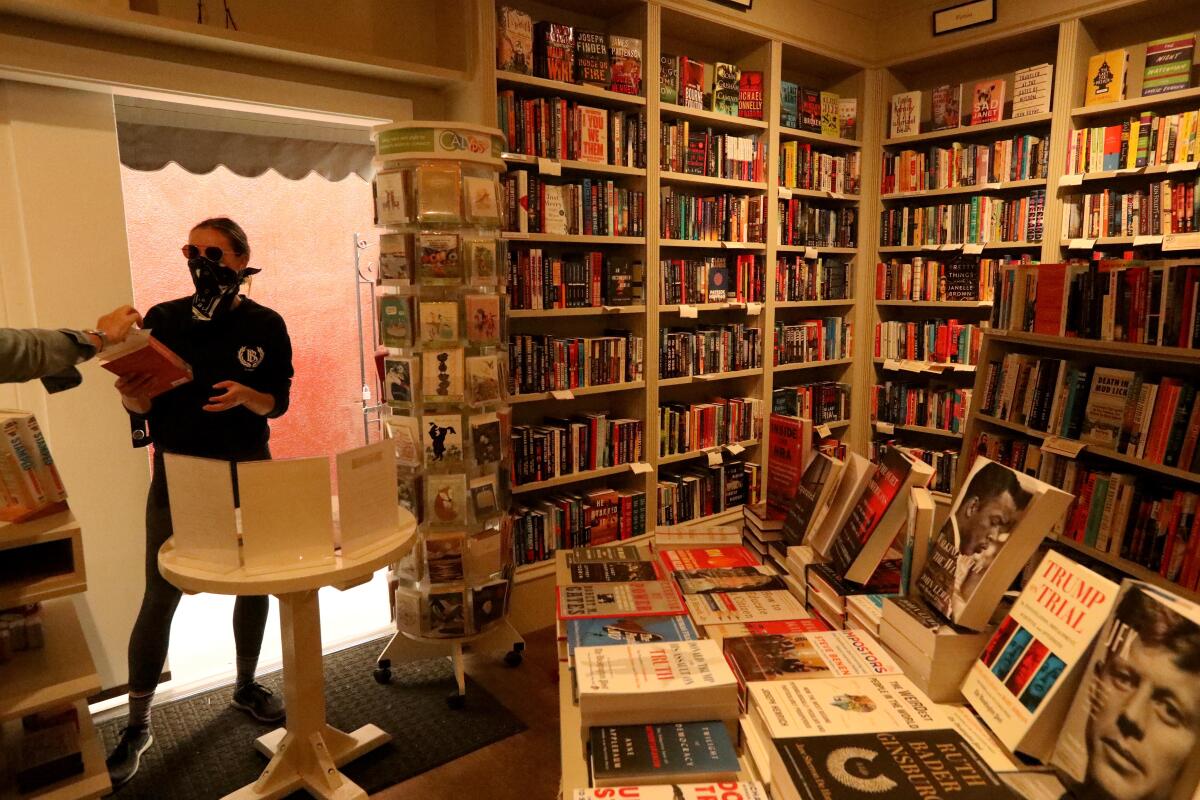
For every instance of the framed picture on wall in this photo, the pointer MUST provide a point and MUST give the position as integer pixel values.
(963, 15)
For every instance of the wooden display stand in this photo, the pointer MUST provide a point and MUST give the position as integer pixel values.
(306, 753)
(43, 562)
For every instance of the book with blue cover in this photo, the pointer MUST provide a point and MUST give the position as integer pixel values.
(601, 631)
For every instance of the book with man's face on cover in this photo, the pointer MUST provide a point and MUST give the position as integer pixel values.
(998, 519)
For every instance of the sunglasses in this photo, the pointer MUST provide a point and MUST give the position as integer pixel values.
(211, 253)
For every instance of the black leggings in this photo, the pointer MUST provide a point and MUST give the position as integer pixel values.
(152, 631)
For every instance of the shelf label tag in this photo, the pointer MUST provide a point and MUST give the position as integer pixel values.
(823, 431)
(1183, 166)
(891, 363)
(1081, 244)
(562, 394)
(1181, 241)
(639, 467)
(785, 193)
(1128, 170)
(611, 309)
(753, 309)
(811, 252)
(1071, 180)
(952, 247)
(548, 166)
(908, 365)
(688, 312)
(514, 235)
(836, 195)
(734, 449)
(972, 249)
(1147, 241)
(714, 458)
(931, 247)
(885, 427)
(1070, 448)
(991, 185)
(938, 367)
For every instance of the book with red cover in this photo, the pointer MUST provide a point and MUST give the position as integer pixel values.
(790, 440)
(723, 557)
(750, 95)
(691, 83)
(1051, 296)
(142, 354)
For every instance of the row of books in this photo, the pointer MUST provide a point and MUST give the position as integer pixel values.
(979, 220)
(1160, 208)
(716, 218)
(934, 340)
(29, 480)
(589, 208)
(899, 403)
(568, 446)
(708, 350)
(711, 280)
(1031, 95)
(543, 363)
(538, 279)
(806, 224)
(1023, 157)
(809, 340)
(1168, 68)
(1146, 140)
(687, 428)
(798, 278)
(554, 127)
(563, 53)
(816, 111)
(964, 278)
(564, 520)
(822, 402)
(1144, 416)
(685, 495)
(720, 87)
(686, 150)
(943, 462)
(802, 167)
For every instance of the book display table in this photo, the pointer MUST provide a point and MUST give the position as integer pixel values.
(306, 753)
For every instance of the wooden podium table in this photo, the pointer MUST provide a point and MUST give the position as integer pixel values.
(306, 753)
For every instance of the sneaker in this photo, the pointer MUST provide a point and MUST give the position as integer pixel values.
(259, 702)
(126, 757)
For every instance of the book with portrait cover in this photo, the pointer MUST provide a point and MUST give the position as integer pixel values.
(591, 57)
(608, 631)
(987, 101)
(788, 656)
(664, 753)
(878, 517)
(1022, 684)
(637, 598)
(625, 55)
(947, 105)
(791, 439)
(1133, 728)
(630, 684)
(998, 519)
(719, 608)
(898, 765)
(721, 790)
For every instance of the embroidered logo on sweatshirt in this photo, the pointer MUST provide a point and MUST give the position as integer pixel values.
(250, 357)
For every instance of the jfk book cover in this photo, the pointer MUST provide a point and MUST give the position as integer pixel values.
(608, 631)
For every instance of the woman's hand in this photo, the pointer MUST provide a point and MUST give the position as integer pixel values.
(236, 394)
(133, 388)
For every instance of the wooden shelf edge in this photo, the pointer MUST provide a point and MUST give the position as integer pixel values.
(675, 458)
(1131, 568)
(582, 391)
(60, 672)
(573, 477)
(1135, 103)
(667, 176)
(573, 89)
(585, 311)
(971, 130)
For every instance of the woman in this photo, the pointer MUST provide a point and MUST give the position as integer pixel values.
(241, 359)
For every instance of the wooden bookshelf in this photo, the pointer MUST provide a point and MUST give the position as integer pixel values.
(710, 244)
(91, 783)
(819, 249)
(831, 362)
(588, 311)
(818, 138)
(982, 188)
(572, 165)
(1133, 104)
(813, 303)
(711, 118)
(971, 131)
(937, 367)
(573, 477)
(579, 91)
(57, 674)
(704, 180)
(719, 449)
(948, 304)
(710, 377)
(957, 246)
(570, 238)
(566, 395)
(820, 194)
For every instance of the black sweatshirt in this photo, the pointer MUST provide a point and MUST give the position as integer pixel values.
(248, 345)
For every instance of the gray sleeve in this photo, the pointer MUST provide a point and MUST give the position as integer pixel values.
(34, 353)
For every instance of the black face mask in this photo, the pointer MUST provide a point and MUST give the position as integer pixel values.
(216, 287)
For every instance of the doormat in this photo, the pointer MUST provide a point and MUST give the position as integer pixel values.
(204, 748)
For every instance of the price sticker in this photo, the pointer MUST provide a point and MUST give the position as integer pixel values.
(785, 193)
(562, 394)
(1071, 180)
(754, 309)
(548, 166)
(823, 431)
(714, 457)
(810, 252)
(688, 311)
(639, 468)
(972, 249)
(885, 427)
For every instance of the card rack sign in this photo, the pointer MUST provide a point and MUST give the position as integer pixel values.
(441, 315)
(963, 16)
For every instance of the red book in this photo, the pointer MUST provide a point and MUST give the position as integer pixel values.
(750, 95)
(1051, 295)
(723, 557)
(142, 354)
(790, 438)
(1164, 412)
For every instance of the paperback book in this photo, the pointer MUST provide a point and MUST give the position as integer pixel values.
(514, 40)
(664, 753)
(1168, 65)
(641, 598)
(1106, 77)
(718, 608)
(947, 107)
(726, 88)
(788, 656)
(608, 631)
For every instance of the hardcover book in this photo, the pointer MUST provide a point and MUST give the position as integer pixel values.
(1105, 412)
(625, 54)
(612, 571)
(728, 579)
(593, 135)
(935, 654)
(607, 631)
(787, 457)
(1146, 653)
(719, 608)
(514, 40)
(906, 114)
(641, 598)
(787, 656)
(591, 58)
(750, 94)
(1022, 684)
(829, 114)
(1031, 90)
(686, 558)
(810, 110)
(853, 481)
(947, 107)
(555, 51)
(1168, 65)
(721, 790)
(691, 83)
(734, 630)
(663, 753)
(812, 496)
(1106, 77)
(631, 684)
(918, 533)
(998, 519)
(726, 88)
(987, 101)
(789, 104)
(848, 117)
(142, 354)
(668, 79)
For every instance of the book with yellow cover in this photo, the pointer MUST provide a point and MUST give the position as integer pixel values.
(1106, 77)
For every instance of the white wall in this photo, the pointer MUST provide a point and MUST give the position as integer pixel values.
(63, 262)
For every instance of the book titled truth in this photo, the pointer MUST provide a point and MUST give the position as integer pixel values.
(658, 682)
(663, 753)
(641, 598)
(998, 519)
(608, 631)
(1023, 682)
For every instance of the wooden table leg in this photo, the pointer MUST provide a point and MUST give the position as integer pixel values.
(306, 753)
